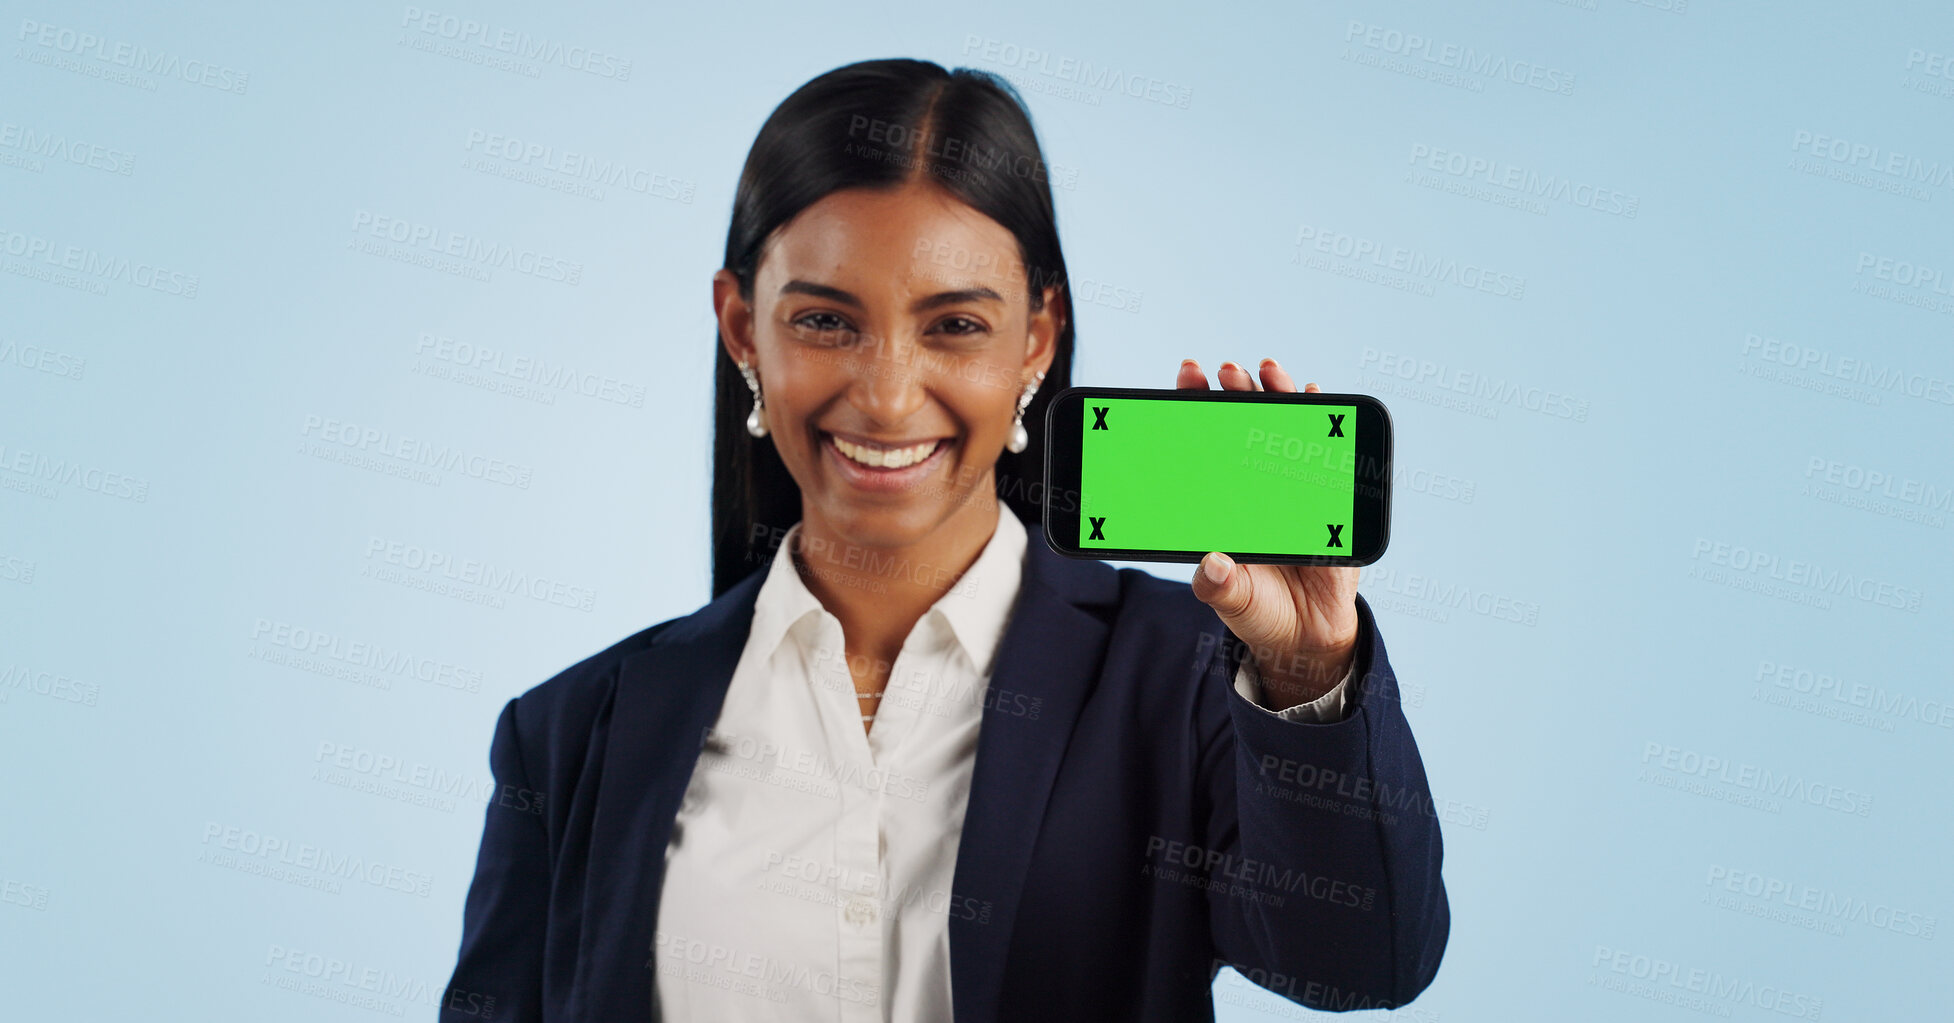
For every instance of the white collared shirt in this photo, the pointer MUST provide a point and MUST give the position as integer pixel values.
(809, 869)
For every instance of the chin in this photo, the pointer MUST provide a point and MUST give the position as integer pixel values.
(884, 527)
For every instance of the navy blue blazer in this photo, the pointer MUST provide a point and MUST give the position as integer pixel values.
(1133, 826)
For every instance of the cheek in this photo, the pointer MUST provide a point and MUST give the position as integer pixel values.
(985, 410)
(990, 396)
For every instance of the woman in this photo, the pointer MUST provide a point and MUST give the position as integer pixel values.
(908, 764)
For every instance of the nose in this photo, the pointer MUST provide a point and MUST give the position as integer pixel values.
(889, 383)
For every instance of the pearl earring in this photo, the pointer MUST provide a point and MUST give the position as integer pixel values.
(756, 421)
(1020, 437)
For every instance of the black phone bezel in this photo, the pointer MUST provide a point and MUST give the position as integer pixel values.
(1371, 519)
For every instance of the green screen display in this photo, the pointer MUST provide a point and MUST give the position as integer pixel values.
(1244, 476)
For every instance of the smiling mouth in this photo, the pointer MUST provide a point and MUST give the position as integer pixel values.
(883, 457)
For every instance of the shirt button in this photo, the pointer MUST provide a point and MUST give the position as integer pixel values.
(860, 912)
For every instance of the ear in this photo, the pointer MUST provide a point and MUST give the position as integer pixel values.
(1045, 326)
(735, 317)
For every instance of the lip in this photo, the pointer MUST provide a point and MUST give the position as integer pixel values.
(872, 442)
(882, 480)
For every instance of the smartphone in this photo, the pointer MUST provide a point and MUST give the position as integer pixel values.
(1278, 477)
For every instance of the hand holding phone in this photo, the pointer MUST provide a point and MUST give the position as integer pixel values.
(1299, 621)
(1295, 605)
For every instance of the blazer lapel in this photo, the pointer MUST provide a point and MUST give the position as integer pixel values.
(1051, 651)
(670, 693)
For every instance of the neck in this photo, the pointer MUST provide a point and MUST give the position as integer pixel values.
(879, 593)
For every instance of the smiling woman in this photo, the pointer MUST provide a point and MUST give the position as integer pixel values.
(906, 749)
(875, 377)
(879, 389)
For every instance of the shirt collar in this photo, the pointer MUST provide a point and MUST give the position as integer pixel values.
(977, 607)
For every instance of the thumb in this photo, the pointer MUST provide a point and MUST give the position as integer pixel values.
(1223, 585)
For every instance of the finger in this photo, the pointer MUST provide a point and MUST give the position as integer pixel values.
(1235, 378)
(1230, 597)
(1190, 376)
(1312, 389)
(1275, 378)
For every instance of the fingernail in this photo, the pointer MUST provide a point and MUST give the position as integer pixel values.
(1266, 361)
(1217, 567)
(1186, 363)
(1225, 365)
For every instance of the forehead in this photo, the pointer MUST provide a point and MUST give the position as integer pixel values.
(908, 240)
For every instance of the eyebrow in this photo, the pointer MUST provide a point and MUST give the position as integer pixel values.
(941, 298)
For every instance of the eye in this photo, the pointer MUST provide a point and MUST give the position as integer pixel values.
(824, 327)
(962, 325)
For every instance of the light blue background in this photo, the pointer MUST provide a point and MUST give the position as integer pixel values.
(1548, 737)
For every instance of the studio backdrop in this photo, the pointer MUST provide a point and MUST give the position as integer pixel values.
(355, 377)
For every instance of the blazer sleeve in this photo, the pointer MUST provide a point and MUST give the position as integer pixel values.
(499, 972)
(1324, 840)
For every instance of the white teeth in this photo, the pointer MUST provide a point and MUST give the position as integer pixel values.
(885, 458)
